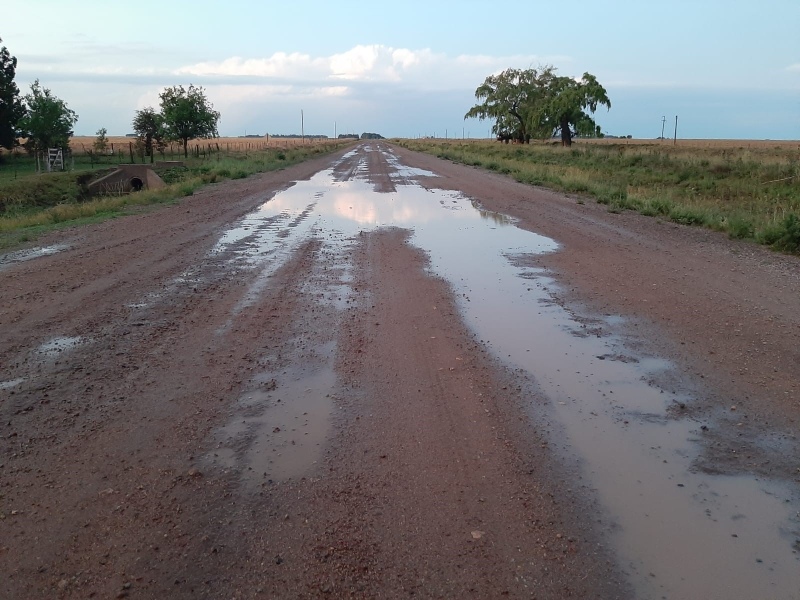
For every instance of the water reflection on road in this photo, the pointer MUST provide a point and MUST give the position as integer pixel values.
(680, 534)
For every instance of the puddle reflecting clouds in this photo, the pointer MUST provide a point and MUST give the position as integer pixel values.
(680, 534)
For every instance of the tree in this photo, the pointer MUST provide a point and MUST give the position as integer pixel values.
(567, 106)
(11, 107)
(188, 114)
(531, 102)
(48, 122)
(101, 141)
(149, 127)
(508, 98)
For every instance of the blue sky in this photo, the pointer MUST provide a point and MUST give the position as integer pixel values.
(728, 69)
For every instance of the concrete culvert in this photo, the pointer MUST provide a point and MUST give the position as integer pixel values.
(128, 178)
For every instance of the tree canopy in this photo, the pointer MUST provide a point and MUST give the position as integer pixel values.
(101, 141)
(149, 127)
(539, 103)
(187, 114)
(48, 121)
(11, 107)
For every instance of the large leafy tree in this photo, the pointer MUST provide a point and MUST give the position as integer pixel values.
(48, 121)
(508, 98)
(149, 127)
(537, 102)
(11, 107)
(188, 114)
(568, 105)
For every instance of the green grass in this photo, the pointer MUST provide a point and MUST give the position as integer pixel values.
(748, 193)
(31, 203)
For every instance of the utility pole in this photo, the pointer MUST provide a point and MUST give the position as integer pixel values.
(675, 141)
(663, 122)
(302, 127)
(334, 130)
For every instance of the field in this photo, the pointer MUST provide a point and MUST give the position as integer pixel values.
(123, 149)
(31, 202)
(80, 144)
(748, 189)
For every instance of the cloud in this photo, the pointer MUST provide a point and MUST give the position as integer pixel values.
(374, 63)
(795, 68)
(374, 69)
(280, 64)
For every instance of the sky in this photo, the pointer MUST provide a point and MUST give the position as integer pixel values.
(726, 69)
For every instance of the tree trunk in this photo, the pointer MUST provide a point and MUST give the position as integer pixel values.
(185, 147)
(566, 134)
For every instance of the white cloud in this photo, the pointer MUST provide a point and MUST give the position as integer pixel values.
(279, 64)
(795, 68)
(375, 63)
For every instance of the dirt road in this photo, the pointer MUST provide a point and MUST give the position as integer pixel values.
(364, 376)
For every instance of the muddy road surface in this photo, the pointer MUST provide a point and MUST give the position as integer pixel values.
(382, 375)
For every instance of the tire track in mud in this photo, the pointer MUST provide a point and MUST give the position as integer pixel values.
(423, 489)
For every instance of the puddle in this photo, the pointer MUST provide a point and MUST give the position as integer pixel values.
(679, 534)
(12, 383)
(6, 260)
(58, 345)
(280, 426)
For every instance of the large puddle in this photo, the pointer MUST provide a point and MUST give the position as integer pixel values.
(680, 533)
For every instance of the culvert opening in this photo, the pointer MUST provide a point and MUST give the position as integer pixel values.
(137, 184)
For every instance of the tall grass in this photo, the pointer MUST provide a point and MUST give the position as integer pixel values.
(750, 193)
(34, 203)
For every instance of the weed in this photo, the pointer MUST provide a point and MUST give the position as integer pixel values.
(783, 235)
(739, 227)
(688, 216)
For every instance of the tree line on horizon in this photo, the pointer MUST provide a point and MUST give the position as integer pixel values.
(538, 103)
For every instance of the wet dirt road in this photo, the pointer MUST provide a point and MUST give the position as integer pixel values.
(383, 375)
